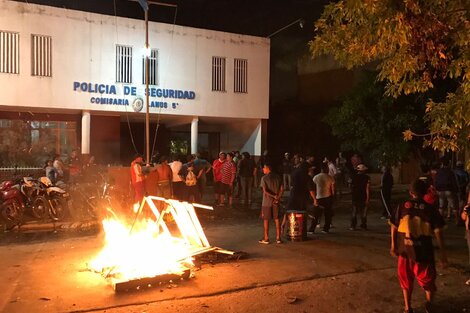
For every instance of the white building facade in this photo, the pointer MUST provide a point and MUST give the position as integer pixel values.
(72, 79)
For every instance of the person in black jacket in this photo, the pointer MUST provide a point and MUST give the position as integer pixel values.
(447, 187)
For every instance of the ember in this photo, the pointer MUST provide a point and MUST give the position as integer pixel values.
(149, 248)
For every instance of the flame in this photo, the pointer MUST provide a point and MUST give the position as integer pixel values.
(147, 247)
(136, 207)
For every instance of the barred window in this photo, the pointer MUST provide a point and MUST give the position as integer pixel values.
(240, 75)
(218, 74)
(123, 64)
(153, 68)
(9, 52)
(41, 53)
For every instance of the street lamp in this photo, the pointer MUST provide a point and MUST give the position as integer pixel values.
(145, 6)
(301, 22)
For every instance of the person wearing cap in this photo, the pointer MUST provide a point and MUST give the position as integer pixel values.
(137, 178)
(413, 226)
(217, 172)
(360, 185)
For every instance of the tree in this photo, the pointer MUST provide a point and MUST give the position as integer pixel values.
(369, 122)
(415, 44)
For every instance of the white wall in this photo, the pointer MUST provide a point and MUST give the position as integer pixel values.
(242, 136)
(84, 50)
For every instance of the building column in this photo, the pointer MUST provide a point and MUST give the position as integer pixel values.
(86, 120)
(194, 133)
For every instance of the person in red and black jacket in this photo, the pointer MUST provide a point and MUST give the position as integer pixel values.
(413, 226)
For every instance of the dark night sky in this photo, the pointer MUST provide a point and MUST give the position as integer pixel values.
(251, 17)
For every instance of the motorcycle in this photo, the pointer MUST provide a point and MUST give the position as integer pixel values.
(56, 197)
(11, 206)
(34, 197)
(93, 197)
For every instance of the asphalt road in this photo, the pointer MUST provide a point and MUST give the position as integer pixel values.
(343, 271)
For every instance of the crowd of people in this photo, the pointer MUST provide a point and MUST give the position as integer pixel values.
(233, 175)
(439, 194)
(71, 169)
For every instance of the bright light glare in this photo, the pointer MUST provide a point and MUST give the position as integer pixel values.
(146, 51)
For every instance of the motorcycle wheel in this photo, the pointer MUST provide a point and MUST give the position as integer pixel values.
(11, 212)
(58, 208)
(92, 208)
(39, 207)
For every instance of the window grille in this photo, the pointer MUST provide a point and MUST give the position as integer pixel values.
(218, 74)
(5, 123)
(153, 68)
(123, 64)
(240, 79)
(41, 63)
(9, 52)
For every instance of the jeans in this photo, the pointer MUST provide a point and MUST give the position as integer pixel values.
(247, 187)
(325, 206)
(359, 207)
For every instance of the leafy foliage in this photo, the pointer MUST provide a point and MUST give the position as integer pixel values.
(369, 122)
(415, 44)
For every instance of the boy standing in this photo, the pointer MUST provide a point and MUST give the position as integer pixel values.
(360, 196)
(272, 193)
(413, 226)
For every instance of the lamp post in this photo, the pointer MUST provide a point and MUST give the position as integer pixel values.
(301, 22)
(145, 6)
(147, 112)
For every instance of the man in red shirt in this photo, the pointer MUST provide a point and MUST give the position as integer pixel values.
(137, 178)
(217, 172)
(228, 171)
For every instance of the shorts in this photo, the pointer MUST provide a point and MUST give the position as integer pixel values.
(270, 212)
(446, 197)
(226, 190)
(408, 270)
(219, 187)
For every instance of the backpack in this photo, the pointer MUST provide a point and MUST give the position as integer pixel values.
(191, 179)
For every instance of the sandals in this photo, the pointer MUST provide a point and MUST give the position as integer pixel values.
(266, 242)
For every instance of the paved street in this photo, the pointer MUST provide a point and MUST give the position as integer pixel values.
(341, 272)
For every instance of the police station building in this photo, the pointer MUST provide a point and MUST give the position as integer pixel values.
(72, 79)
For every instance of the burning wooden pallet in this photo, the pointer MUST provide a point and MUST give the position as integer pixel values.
(170, 243)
